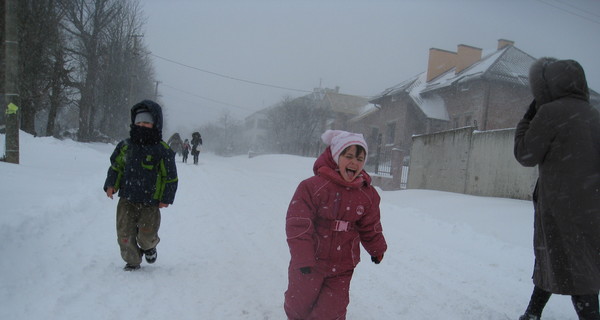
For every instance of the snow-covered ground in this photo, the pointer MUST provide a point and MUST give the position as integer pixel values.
(223, 253)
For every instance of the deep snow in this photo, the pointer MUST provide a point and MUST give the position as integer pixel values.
(223, 253)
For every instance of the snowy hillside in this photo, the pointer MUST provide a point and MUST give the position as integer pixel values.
(223, 253)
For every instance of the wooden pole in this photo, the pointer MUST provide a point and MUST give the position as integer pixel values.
(11, 96)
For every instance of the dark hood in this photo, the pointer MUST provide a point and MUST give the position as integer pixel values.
(154, 109)
(551, 79)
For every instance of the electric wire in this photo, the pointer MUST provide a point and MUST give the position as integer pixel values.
(228, 77)
(577, 8)
(205, 98)
(571, 12)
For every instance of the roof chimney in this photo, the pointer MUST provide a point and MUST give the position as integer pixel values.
(440, 61)
(503, 43)
(467, 56)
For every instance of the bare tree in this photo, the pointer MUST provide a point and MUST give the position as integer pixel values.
(38, 37)
(84, 58)
(225, 137)
(112, 71)
(87, 21)
(58, 95)
(126, 74)
(294, 125)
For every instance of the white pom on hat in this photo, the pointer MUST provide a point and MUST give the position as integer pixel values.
(144, 116)
(339, 140)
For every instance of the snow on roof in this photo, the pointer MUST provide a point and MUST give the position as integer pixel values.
(507, 64)
(364, 112)
(475, 70)
(345, 103)
(433, 106)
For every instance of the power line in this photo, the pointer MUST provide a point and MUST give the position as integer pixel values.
(229, 77)
(577, 8)
(204, 98)
(570, 12)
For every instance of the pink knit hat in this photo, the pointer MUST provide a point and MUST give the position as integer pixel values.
(339, 140)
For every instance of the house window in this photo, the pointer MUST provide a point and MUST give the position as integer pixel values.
(455, 122)
(468, 120)
(390, 133)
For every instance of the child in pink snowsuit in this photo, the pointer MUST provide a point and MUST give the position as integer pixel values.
(330, 215)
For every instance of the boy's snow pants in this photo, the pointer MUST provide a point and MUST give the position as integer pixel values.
(317, 295)
(137, 229)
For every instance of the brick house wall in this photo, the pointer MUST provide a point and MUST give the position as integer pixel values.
(490, 92)
(487, 104)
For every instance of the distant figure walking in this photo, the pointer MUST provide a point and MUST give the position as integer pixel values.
(186, 150)
(196, 143)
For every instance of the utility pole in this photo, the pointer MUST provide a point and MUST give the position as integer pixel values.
(156, 91)
(11, 96)
(133, 68)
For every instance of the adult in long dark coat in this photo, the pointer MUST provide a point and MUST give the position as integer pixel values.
(560, 133)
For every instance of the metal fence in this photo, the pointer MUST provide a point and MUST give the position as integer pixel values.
(404, 177)
(380, 163)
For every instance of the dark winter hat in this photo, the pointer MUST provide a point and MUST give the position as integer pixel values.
(144, 116)
(153, 108)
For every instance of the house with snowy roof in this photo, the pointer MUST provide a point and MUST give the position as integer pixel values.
(338, 108)
(458, 89)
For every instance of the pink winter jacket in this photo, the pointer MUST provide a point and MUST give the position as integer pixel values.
(328, 218)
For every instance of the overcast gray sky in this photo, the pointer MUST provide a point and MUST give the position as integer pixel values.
(240, 56)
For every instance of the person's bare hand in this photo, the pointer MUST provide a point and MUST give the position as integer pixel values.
(110, 191)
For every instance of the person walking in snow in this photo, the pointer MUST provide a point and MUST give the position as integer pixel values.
(144, 173)
(560, 133)
(196, 143)
(186, 150)
(328, 217)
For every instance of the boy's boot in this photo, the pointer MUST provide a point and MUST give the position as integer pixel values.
(150, 255)
(131, 267)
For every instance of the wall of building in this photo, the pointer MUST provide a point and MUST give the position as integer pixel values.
(471, 162)
(508, 103)
(493, 170)
(439, 161)
(493, 105)
(464, 103)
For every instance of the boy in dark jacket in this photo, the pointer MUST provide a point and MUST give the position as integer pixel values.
(143, 171)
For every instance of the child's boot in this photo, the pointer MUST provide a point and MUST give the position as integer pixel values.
(151, 255)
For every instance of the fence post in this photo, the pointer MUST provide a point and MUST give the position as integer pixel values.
(378, 153)
(396, 167)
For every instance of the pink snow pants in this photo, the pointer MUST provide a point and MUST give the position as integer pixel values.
(317, 295)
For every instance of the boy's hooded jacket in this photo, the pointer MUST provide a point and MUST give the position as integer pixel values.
(143, 166)
(328, 218)
(563, 140)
